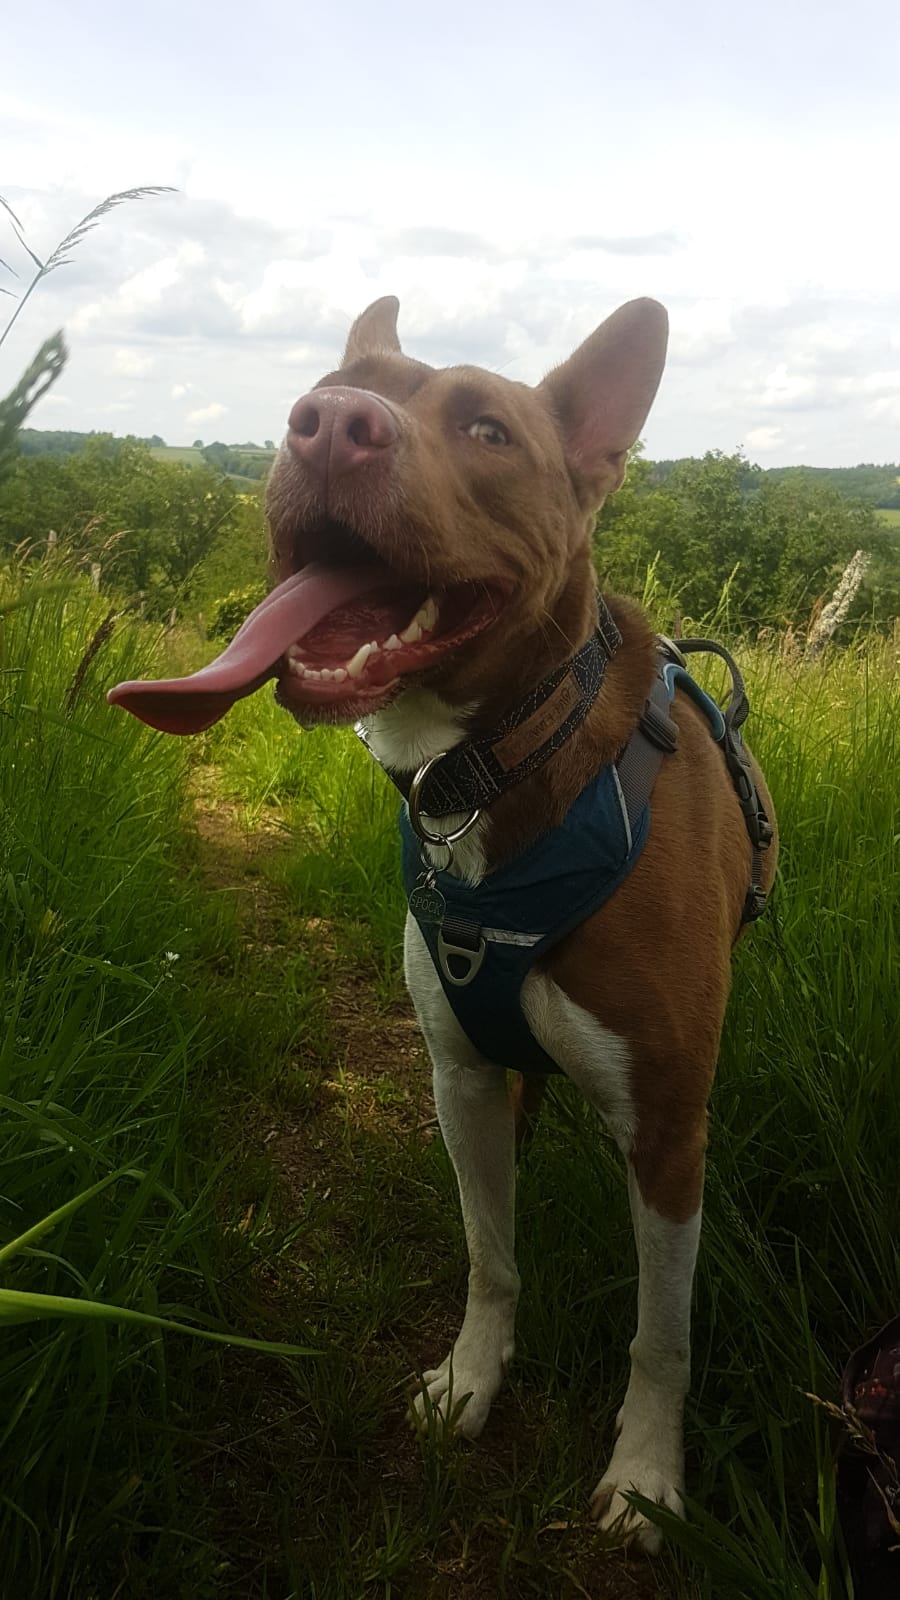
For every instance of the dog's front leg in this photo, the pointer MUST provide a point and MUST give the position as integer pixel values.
(664, 1151)
(648, 1454)
(478, 1125)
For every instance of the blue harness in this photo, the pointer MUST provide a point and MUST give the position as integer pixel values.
(491, 934)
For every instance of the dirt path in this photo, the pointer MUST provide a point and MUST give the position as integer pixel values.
(352, 1099)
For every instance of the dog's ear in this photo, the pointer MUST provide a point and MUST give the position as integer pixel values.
(602, 394)
(374, 333)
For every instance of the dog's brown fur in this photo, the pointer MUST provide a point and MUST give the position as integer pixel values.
(654, 964)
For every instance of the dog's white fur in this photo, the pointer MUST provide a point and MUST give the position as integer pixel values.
(477, 1123)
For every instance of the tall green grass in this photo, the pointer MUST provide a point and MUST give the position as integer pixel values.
(100, 1044)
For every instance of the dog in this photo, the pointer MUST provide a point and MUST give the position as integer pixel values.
(431, 531)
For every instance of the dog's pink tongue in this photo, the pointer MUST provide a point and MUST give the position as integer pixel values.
(189, 705)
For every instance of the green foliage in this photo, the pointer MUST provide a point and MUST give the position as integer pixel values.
(780, 543)
(228, 614)
(68, 441)
(40, 376)
(876, 485)
(238, 559)
(104, 1219)
(146, 523)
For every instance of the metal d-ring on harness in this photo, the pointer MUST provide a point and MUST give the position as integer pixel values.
(460, 961)
(656, 736)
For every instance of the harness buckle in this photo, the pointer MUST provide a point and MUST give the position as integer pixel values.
(754, 903)
(460, 963)
(658, 727)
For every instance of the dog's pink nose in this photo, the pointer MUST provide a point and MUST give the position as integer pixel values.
(334, 430)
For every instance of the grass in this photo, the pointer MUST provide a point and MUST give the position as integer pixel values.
(891, 517)
(268, 1099)
(189, 456)
(184, 453)
(107, 1216)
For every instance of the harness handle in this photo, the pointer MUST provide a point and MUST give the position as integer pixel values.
(738, 763)
(738, 707)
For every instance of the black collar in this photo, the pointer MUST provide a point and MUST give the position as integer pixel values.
(473, 774)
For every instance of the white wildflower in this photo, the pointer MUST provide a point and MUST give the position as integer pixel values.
(831, 616)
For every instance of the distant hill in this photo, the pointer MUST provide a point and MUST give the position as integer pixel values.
(248, 462)
(875, 485)
(64, 442)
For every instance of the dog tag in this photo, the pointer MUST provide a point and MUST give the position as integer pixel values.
(427, 904)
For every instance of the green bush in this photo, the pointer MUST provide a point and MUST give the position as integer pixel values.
(233, 609)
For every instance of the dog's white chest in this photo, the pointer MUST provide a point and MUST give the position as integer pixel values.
(414, 729)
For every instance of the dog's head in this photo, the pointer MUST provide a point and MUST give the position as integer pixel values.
(471, 496)
(429, 527)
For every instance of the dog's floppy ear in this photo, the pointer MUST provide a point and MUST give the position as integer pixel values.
(374, 332)
(602, 394)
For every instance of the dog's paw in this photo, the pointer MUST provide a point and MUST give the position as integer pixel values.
(617, 1517)
(458, 1395)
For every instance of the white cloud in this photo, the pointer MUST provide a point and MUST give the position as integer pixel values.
(131, 363)
(764, 439)
(210, 413)
(786, 390)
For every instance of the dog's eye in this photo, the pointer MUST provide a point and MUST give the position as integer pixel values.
(488, 430)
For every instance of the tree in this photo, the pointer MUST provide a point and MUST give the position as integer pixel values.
(779, 542)
(197, 444)
(147, 523)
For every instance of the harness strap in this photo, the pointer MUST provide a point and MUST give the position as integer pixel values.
(740, 771)
(654, 737)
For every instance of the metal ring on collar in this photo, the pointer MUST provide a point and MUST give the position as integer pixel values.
(415, 802)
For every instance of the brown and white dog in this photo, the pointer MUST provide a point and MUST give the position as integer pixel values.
(474, 499)
(458, 477)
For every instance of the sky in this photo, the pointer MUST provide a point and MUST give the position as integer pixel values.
(513, 171)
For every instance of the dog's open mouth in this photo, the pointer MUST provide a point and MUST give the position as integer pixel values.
(336, 637)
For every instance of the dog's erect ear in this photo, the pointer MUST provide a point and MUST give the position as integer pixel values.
(602, 394)
(374, 333)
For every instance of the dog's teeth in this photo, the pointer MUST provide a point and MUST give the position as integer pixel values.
(422, 623)
(312, 672)
(338, 674)
(393, 643)
(295, 666)
(356, 665)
